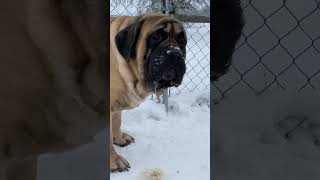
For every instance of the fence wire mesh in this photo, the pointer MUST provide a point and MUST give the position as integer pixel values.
(195, 15)
(279, 48)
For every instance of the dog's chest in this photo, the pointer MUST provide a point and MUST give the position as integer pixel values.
(127, 97)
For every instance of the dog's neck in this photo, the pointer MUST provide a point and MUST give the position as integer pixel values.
(135, 94)
(133, 89)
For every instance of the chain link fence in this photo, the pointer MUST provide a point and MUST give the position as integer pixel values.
(195, 15)
(279, 48)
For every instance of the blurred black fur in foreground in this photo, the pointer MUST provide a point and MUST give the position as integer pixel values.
(227, 26)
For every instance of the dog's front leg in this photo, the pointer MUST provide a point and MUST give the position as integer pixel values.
(117, 162)
(120, 138)
(21, 169)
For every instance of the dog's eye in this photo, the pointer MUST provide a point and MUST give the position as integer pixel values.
(157, 37)
(181, 42)
(181, 39)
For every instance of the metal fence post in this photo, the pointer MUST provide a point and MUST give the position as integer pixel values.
(165, 94)
(167, 7)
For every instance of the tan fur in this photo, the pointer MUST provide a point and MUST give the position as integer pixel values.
(127, 88)
(52, 81)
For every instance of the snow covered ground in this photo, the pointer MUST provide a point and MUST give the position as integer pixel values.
(272, 136)
(176, 145)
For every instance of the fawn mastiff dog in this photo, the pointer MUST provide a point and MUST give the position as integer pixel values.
(147, 54)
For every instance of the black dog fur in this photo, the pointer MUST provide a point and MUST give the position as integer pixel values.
(227, 26)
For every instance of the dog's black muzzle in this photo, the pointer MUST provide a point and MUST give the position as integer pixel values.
(165, 67)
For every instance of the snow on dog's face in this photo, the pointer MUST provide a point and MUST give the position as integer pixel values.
(165, 57)
(157, 48)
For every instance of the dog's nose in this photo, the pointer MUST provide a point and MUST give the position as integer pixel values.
(169, 75)
(175, 53)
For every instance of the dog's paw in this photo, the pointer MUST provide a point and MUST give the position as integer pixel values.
(123, 140)
(119, 164)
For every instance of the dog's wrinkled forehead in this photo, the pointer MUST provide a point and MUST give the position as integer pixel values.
(166, 29)
(130, 39)
(167, 24)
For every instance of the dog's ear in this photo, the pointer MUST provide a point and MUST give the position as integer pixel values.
(126, 40)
